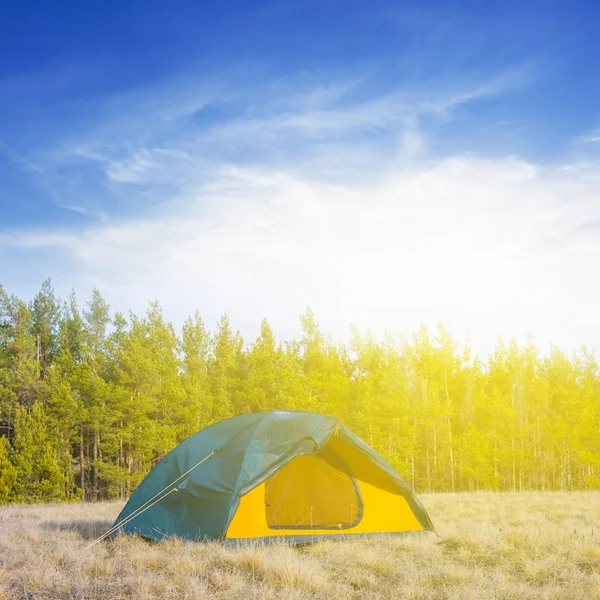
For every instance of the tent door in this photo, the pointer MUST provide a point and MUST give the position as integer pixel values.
(310, 493)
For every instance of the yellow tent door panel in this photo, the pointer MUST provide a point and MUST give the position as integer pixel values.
(313, 498)
(309, 493)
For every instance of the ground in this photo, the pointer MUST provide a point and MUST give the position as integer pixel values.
(500, 546)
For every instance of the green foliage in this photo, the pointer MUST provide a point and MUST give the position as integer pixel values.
(195, 351)
(45, 312)
(89, 402)
(39, 461)
(8, 473)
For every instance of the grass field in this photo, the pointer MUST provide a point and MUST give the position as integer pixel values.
(505, 546)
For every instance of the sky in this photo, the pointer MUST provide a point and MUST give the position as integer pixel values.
(387, 164)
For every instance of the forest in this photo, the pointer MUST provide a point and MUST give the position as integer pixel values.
(90, 400)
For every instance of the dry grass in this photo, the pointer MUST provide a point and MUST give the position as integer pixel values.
(509, 546)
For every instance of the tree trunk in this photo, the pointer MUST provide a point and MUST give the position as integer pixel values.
(521, 467)
(95, 467)
(81, 462)
(449, 432)
(514, 467)
(100, 458)
(434, 459)
(121, 464)
(496, 477)
(427, 470)
(414, 446)
(128, 483)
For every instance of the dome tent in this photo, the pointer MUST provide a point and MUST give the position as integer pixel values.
(283, 474)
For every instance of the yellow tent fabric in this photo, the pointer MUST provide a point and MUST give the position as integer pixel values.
(382, 512)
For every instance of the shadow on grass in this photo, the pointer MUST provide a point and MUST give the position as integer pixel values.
(87, 529)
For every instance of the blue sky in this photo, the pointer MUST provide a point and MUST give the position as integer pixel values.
(387, 163)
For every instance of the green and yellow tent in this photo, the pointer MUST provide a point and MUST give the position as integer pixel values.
(268, 476)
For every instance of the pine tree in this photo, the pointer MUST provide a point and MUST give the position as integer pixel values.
(149, 399)
(264, 384)
(45, 314)
(8, 473)
(94, 389)
(8, 379)
(225, 370)
(314, 361)
(39, 462)
(20, 350)
(195, 349)
(71, 329)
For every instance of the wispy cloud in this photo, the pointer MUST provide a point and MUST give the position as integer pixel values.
(18, 158)
(141, 137)
(86, 212)
(589, 137)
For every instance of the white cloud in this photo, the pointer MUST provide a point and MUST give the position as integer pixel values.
(337, 205)
(493, 246)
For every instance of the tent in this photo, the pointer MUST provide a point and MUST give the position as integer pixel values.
(290, 475)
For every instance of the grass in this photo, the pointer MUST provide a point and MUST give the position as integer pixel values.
(488, 546)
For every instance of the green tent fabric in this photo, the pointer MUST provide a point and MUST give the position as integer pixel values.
(246, 450)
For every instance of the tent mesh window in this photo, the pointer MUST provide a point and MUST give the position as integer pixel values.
(309, 493)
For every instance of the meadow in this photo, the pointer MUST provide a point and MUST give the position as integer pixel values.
(487, 546)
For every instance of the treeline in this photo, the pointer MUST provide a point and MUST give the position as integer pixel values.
(90, 401)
